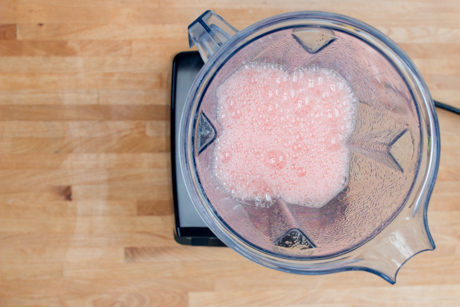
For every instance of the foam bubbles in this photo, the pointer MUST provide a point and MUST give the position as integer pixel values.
(284, 134)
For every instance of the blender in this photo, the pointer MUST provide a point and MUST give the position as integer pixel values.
(378, 220)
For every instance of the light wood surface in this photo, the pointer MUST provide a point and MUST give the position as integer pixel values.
(85, 185)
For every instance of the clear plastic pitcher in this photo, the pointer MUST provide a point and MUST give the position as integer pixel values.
(379, 220)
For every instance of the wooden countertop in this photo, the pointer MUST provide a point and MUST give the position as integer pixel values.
(85, 190)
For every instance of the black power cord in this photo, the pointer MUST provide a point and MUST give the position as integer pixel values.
(446, 107)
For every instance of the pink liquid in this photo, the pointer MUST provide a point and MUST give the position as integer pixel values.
(284, 134)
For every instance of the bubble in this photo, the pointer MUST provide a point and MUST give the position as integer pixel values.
(275, 159)
(286, 143)
(237, 114)
(336, 112)
(320, 80)
(301, 171)
(238, 146)
(226, 157)
(298, 136)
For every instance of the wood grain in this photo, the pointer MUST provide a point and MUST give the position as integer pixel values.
(87, 113)
(8, 32)
(86, 161)
(65, 48)
(109, 80)
(84, 97)
(85, 172)
(154, 207)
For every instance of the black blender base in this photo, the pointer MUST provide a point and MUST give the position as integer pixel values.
(190, 229)
(198, 236)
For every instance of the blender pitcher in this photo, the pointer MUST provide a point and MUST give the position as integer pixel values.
(379, 219)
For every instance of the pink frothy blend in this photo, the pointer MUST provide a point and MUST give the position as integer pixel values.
(284, 134)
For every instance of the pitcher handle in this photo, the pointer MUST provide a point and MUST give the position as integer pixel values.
(208, 32)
